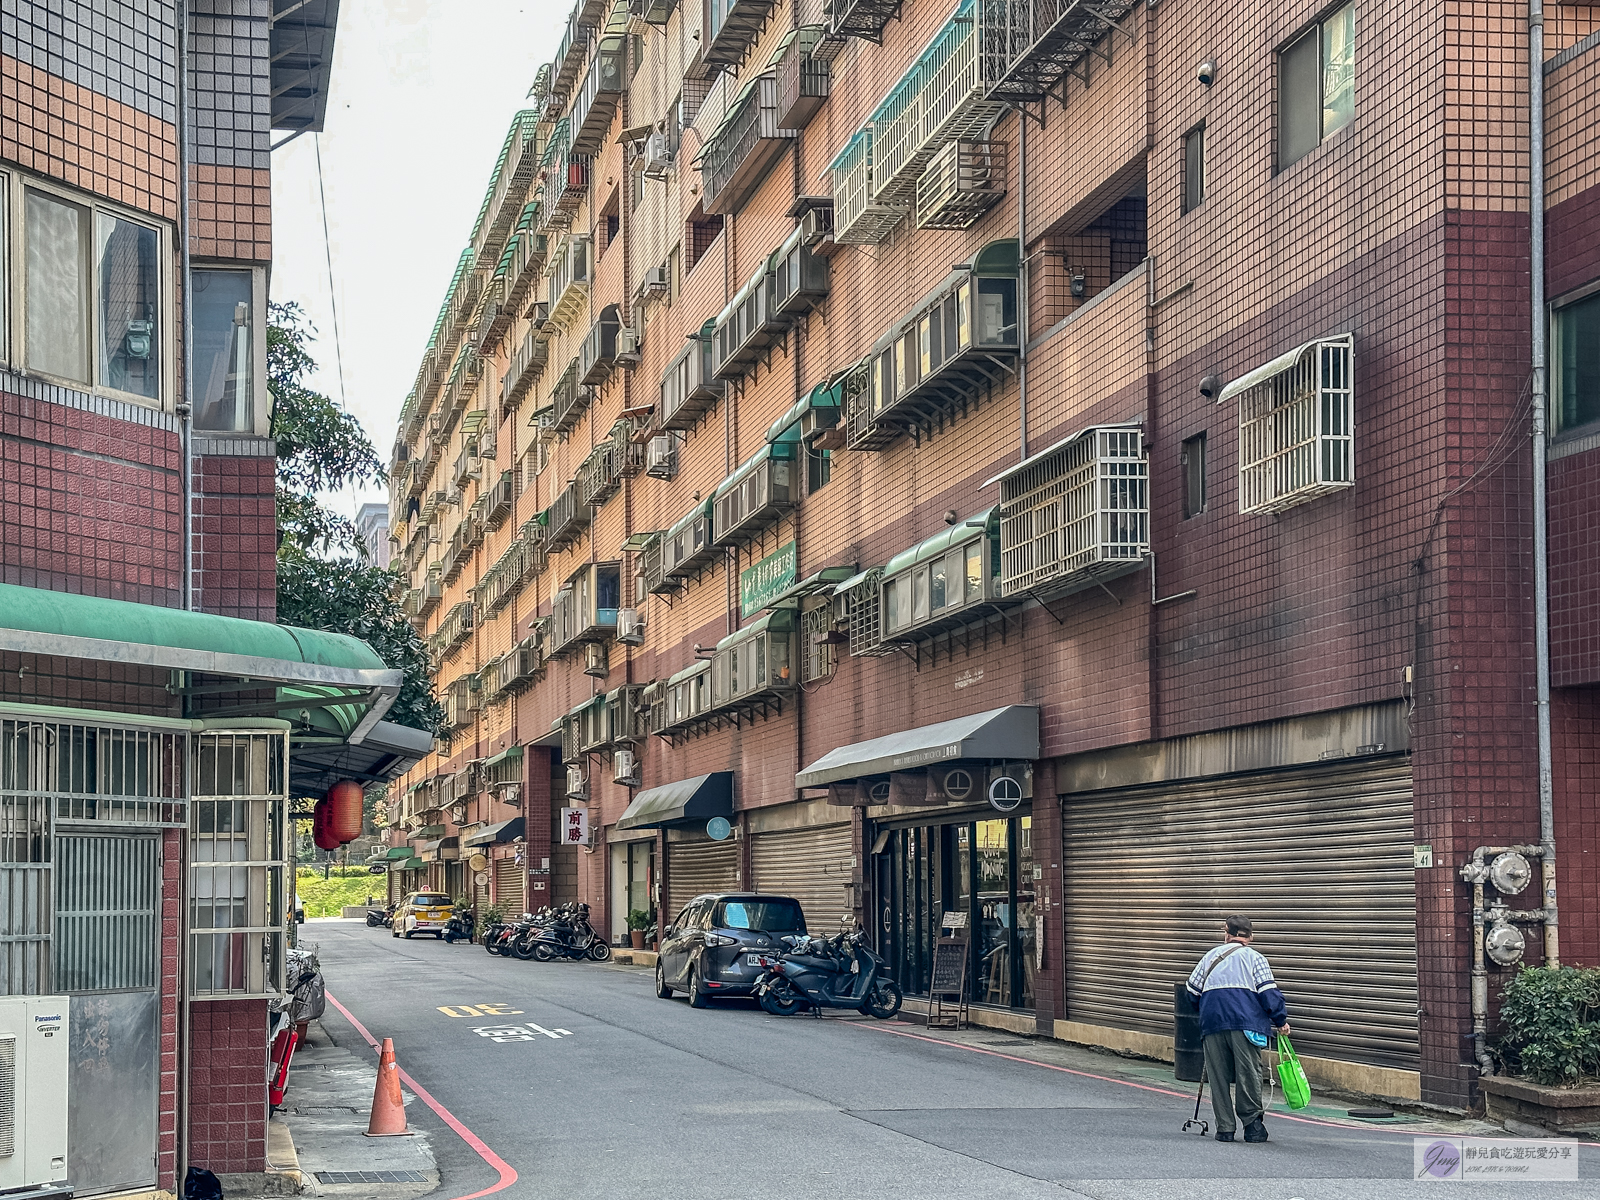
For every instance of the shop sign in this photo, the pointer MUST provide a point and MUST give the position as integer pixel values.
(761, 584)
(574, 826)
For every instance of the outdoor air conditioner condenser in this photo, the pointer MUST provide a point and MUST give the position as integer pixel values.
(33, 1093)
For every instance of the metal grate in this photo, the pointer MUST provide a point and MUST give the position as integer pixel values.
(819, 661)
(106, 907)
(8, 1096)
(864, 606)
(371, 1177)
(1295, 431)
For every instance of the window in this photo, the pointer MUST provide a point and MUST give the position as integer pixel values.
(1316, 85)
(1194, 168)
(95, 306)
(1575, 398)
(224, 380)
(1194, 476)
(819, 468)
(761, 916)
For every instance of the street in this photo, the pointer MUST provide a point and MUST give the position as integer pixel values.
(587, 1085)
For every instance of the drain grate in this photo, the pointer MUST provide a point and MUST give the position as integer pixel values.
(371, 1177)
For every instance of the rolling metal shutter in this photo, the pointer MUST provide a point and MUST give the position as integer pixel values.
(696, 867)
(508, 886)
(1320, 859)
(811, 865)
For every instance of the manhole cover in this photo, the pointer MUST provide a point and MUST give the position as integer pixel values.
(371, 1177)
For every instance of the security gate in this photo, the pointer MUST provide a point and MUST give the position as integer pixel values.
(697, 867)
(1319, 858)
(509, 893)
(811, 865)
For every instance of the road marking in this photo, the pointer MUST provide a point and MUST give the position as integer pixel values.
(497, 1009)
(519, 1033)
(508, 1173)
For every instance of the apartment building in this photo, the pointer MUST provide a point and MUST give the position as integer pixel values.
(1056, 470)
(154, 721)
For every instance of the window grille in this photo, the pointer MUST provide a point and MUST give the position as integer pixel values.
(238, 853)
(818, 661)
(863, 609)
(1076, 514)
(1295, 430)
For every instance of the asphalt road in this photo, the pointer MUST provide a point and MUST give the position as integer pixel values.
(590, 1087)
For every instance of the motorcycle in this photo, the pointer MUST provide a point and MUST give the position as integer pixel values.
(817, 973)
(569, 935)
(380, 918)
(460, 926)
(499, 936)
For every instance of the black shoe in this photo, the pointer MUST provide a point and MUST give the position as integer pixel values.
(1224, 1135)
(1256, 1131)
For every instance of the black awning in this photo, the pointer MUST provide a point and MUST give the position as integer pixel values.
(505, 831)
(1001, 734)
(681, 803)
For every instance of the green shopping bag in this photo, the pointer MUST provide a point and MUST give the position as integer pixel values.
(1296, 1090)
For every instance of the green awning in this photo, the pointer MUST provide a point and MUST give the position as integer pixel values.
(511, 752)
(824, 580)
(407, 864)
(311, 667)
(398, 852)
(681, 803)
(962, 531)
(689, 518)
(821, 399)
(780, 621)
(689, 672)
(427, 831)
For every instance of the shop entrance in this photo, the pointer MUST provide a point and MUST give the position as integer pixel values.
(982, 869)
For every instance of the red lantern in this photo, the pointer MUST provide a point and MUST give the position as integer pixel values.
(320, 833)
(344, 810)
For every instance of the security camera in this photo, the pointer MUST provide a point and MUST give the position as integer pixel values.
(1207, 72)
(1210, 386)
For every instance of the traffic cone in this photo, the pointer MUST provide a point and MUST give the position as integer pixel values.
(388, 1106)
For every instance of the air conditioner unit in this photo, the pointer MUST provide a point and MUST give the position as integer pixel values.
(33, 1100)
(630, 627)
(625, 768)
(547, 422)
(458, 814)
(486, 446)
(657, 157)
(816, 226)
(656, 281)
(596, 660)
(577, 785)
(627, 346)
(539, 314)
(661, 457)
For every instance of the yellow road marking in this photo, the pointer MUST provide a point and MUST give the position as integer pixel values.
(495, 1009)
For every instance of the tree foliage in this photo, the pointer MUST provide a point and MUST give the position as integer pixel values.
(324, 579)
(1552, 1024)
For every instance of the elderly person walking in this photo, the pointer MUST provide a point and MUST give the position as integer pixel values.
(1239, 1000)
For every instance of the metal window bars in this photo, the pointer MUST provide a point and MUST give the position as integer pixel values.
(1296, 430)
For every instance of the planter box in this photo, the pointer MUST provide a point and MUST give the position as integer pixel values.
(1554, 1108)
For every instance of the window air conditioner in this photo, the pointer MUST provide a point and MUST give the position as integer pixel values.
(577, 786)
(661, 457)
(625, 768)
(657, 158)
(595, 660)
(33, 1091)
(816, 226)
(630, 627)
(539, 314)
(655, 280)
(627, 346)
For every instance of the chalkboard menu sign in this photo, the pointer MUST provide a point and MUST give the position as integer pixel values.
(947, 990)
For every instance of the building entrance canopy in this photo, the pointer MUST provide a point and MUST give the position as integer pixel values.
(489, 835)
(680, 803)
(1004, 734)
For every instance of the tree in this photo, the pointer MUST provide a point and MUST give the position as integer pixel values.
(324, 579)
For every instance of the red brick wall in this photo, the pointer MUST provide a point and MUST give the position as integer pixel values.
(228, 1097)
(235, 532)
(1575, 721)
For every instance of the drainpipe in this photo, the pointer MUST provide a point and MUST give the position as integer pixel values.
(1541, 565)
(1022, 285)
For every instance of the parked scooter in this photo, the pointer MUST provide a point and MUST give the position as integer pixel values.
(817, 973)
(381, 917)
(499, 936)
(460, 926)
(569, 935)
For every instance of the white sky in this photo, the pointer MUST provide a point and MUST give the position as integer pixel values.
(421, 95)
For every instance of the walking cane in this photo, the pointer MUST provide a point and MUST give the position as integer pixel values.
(1205, 1126)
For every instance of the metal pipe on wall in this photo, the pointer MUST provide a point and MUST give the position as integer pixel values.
(185, 413)
(1541, 565)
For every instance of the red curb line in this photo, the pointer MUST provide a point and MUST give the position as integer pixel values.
(508, 1173)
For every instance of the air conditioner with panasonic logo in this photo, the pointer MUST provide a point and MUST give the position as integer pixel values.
(625, 768)
(33, 1094)
(577, 785)
(630, 627)
(661, 457)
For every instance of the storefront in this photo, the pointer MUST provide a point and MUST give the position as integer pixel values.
(806, 850)
(948, 820)
(692, 812)
(633, 880)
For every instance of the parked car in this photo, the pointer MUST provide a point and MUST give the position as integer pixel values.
(423, 912)
(710, 949)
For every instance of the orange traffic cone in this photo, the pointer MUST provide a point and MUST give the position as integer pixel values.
(388, 1106)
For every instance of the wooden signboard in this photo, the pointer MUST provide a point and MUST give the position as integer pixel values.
(947, 990)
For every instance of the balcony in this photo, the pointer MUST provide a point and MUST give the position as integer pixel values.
(962, 182)
(502, 581)
(730, 28)
(500, 499)
(569, 400)
(738, 155)
(804, 78)
(598, 355)
(765, 486)
(494, 321)
(565, 519)
(523, 371)
(595, 105)
(689, 387)
(1075, 515)
(751, 670)
(585, 609)
(568, 289)
(508, 188)
(456, 627)
(570, 55)
(799, 277)
(1038, 43)
(563, 179)
(519, 670)
(598, 480)
(521, 264)
(861, 18)
(746, 327)
(942, 358)
(859, 219)
(463, 301)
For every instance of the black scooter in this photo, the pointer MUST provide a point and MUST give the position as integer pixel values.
(460, 926)
(380, 918)
(570, 935)
(838, 972)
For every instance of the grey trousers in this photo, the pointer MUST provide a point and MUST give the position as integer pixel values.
(1233, 1065)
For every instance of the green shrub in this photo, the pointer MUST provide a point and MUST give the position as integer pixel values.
(1552, 1024)
(641, 918)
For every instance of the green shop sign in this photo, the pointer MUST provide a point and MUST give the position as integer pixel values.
(761, 584)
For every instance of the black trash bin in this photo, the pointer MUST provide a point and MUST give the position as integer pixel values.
(1188, 1048)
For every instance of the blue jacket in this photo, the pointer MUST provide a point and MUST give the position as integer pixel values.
(1240, 994)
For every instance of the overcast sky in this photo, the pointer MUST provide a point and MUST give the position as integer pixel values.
(421, 95)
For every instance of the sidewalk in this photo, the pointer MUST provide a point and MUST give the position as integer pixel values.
(326, 1108)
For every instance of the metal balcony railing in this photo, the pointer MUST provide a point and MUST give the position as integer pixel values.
(730, 29)
(569, 280)
(524, 369)
(508, 186)
(858, 218)
(596, 102)
(739, 153)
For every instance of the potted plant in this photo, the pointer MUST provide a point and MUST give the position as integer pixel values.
(639, 920)
(1551, 1047)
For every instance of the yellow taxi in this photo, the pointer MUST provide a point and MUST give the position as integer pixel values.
(422, 912)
